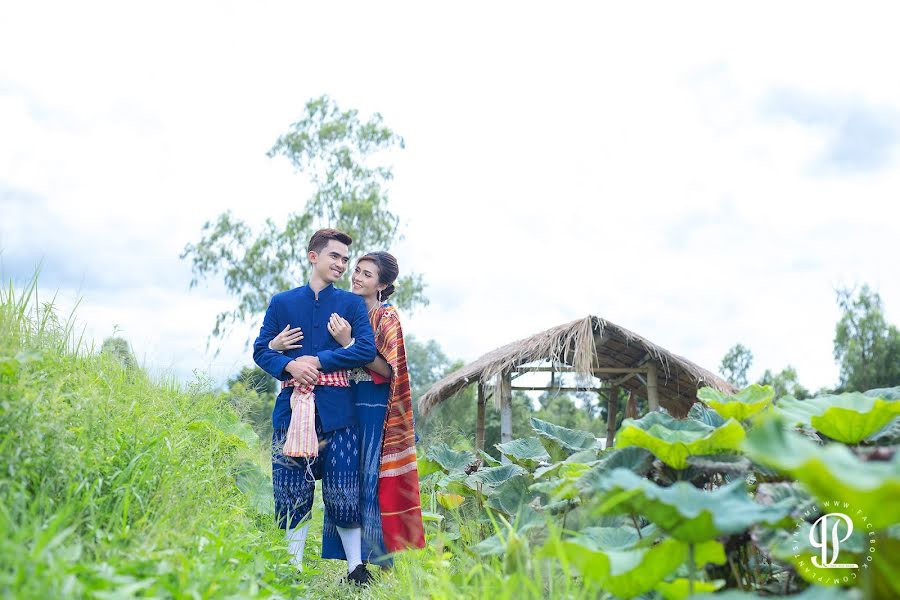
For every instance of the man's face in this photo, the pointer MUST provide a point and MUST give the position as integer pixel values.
(332, 261)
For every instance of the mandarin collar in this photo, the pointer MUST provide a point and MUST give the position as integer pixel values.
(327, 291)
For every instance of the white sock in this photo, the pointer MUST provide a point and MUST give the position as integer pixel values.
(296, 543)
(352, 541)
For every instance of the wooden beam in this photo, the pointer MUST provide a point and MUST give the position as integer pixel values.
(606, 370)
(538, 388)
(505, 409)
(611, 414)
(652, 388)
(479, 421)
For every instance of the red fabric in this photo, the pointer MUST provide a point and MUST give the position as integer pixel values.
(378, 378)
(398, 484)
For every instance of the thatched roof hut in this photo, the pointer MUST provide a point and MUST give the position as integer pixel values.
(590, 347)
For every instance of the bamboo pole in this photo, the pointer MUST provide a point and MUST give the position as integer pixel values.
(652, 388)
(479, 422)
(505, 409)
(611, 414)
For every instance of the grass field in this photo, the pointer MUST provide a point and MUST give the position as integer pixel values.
(117, 486)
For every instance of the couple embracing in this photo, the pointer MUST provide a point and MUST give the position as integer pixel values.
(344, 414)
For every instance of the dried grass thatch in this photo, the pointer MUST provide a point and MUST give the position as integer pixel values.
(586, 344)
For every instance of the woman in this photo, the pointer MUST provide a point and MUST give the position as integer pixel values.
(389, 481)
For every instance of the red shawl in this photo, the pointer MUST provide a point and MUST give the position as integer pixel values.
(398, 485)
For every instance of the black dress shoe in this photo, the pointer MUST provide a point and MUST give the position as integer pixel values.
(360, 576)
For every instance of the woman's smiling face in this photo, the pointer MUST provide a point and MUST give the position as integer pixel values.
(365, 279)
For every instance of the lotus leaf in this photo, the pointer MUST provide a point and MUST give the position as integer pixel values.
(632, 458)
(785, 492)
(811, 593)
(585, 457)
(492, 477)
(848, 418)
(731, 464)
(488, 460)
(888, 436)
(678, 589)
(527, 452)
(683, 511)
(607, 538)
(449, 459)
(885, 393)
(740, 406)
(831, 472)
(705, 415)
(511, 495)
(673, 440)
(564, 486)
(562, 442)
(629, 573)
(450, 501)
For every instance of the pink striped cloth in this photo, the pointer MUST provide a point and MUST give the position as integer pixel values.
(301, 439)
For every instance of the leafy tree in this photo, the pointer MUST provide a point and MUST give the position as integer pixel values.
(866, 347)
(337, 153)
(785, 383)
(120, 349)
(735, 365)
(251, 393)
(255, 379)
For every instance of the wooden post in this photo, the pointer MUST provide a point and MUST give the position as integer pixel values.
(611, 414)
(652, 389)
(479, 422)
(505, 409)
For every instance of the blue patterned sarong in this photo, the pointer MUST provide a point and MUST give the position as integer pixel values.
(371, 405)
(293, 479)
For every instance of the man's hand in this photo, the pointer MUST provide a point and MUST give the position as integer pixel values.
(304, 370)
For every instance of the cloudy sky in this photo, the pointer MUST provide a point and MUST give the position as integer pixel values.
(704, 175)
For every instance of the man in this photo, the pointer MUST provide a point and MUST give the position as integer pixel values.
(310, 307)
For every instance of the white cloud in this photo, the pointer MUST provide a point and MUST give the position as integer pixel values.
(559, 161)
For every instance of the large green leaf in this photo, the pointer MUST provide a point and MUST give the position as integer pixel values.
(527, 452)
(511, 495)
(673, 440)
(885, 393)
(848, 418)
(449, 459)
(810, 593)
(633, 458)
(705, 415)
(683, 511)
(740, 406)
(488, 479)
(584, 457)
(830, 472)
(790, 493)
(562, 442)
(630, 573)
(679, 589)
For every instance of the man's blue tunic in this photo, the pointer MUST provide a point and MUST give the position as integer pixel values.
(299, 307)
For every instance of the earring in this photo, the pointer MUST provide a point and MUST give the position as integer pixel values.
(379, 295)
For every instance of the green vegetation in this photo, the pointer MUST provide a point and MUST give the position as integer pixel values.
(682, 506)
(117, 486)
(340, 157)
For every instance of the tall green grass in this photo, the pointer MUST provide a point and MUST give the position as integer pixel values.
(113, 485)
